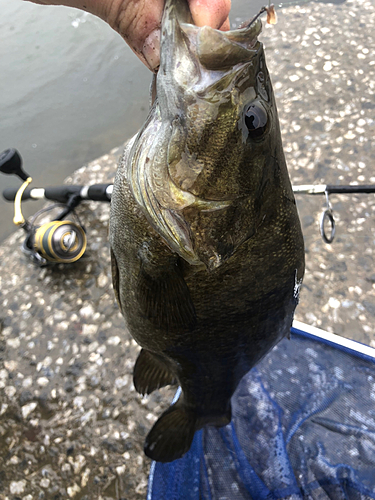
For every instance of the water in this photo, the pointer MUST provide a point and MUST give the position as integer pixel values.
(71, 90)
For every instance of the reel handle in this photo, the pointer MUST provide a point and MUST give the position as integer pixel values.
(11, 164)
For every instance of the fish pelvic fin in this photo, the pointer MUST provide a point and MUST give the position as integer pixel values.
(172, 435)
(151, 373)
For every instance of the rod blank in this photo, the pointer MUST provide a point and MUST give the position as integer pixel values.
(331, 188)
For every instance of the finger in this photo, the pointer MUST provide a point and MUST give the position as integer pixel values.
(138, 22)
(212, 13)
(226, 25)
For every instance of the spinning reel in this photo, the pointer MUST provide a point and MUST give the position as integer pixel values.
(58, 241)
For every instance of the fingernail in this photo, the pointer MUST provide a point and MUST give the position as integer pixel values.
(151, 49)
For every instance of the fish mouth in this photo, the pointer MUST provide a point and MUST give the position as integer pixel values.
(215, 49)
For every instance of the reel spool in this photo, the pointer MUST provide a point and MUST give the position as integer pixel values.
(60, 241)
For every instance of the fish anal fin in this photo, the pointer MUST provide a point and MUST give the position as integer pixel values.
(151, 373)
(171, 436)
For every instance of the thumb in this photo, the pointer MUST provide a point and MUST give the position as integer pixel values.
(212, 13)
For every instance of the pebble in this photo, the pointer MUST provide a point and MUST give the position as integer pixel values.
(42, 381)
(78, 463)
(102, 280)
(122, 381)
(79, 401)
(334, 303)
(87, 311)
(114, 340)
(85, 477)
(45, 482)
(13, 343)
(89, 329)
(17, 487)
(10, 391)
(120, 470)
(27, 382)
(73, 490)
(27, 409)
(10, 366)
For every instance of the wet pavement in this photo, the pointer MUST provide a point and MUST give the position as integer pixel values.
(71, 423)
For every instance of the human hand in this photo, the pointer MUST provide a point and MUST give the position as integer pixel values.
(138, 21)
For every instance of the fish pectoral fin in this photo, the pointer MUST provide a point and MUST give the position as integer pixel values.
(115, 277)
(164, 298)
(171, 436)
(151, 373)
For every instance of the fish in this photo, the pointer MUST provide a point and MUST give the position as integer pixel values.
(206, 245)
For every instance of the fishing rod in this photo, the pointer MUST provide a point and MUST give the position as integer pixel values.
(327, 217)
(63, 240)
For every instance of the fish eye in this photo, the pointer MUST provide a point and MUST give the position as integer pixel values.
(256, 120)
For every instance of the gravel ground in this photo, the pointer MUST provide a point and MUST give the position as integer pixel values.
(71, 424)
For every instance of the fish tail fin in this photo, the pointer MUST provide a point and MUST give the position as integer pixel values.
(172, 435)
(151, 373)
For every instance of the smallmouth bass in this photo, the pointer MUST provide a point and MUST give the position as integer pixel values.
(206, 244)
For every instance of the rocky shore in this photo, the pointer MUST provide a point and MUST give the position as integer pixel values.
(71, 423)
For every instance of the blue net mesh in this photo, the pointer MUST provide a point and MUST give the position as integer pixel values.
(303, 427)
